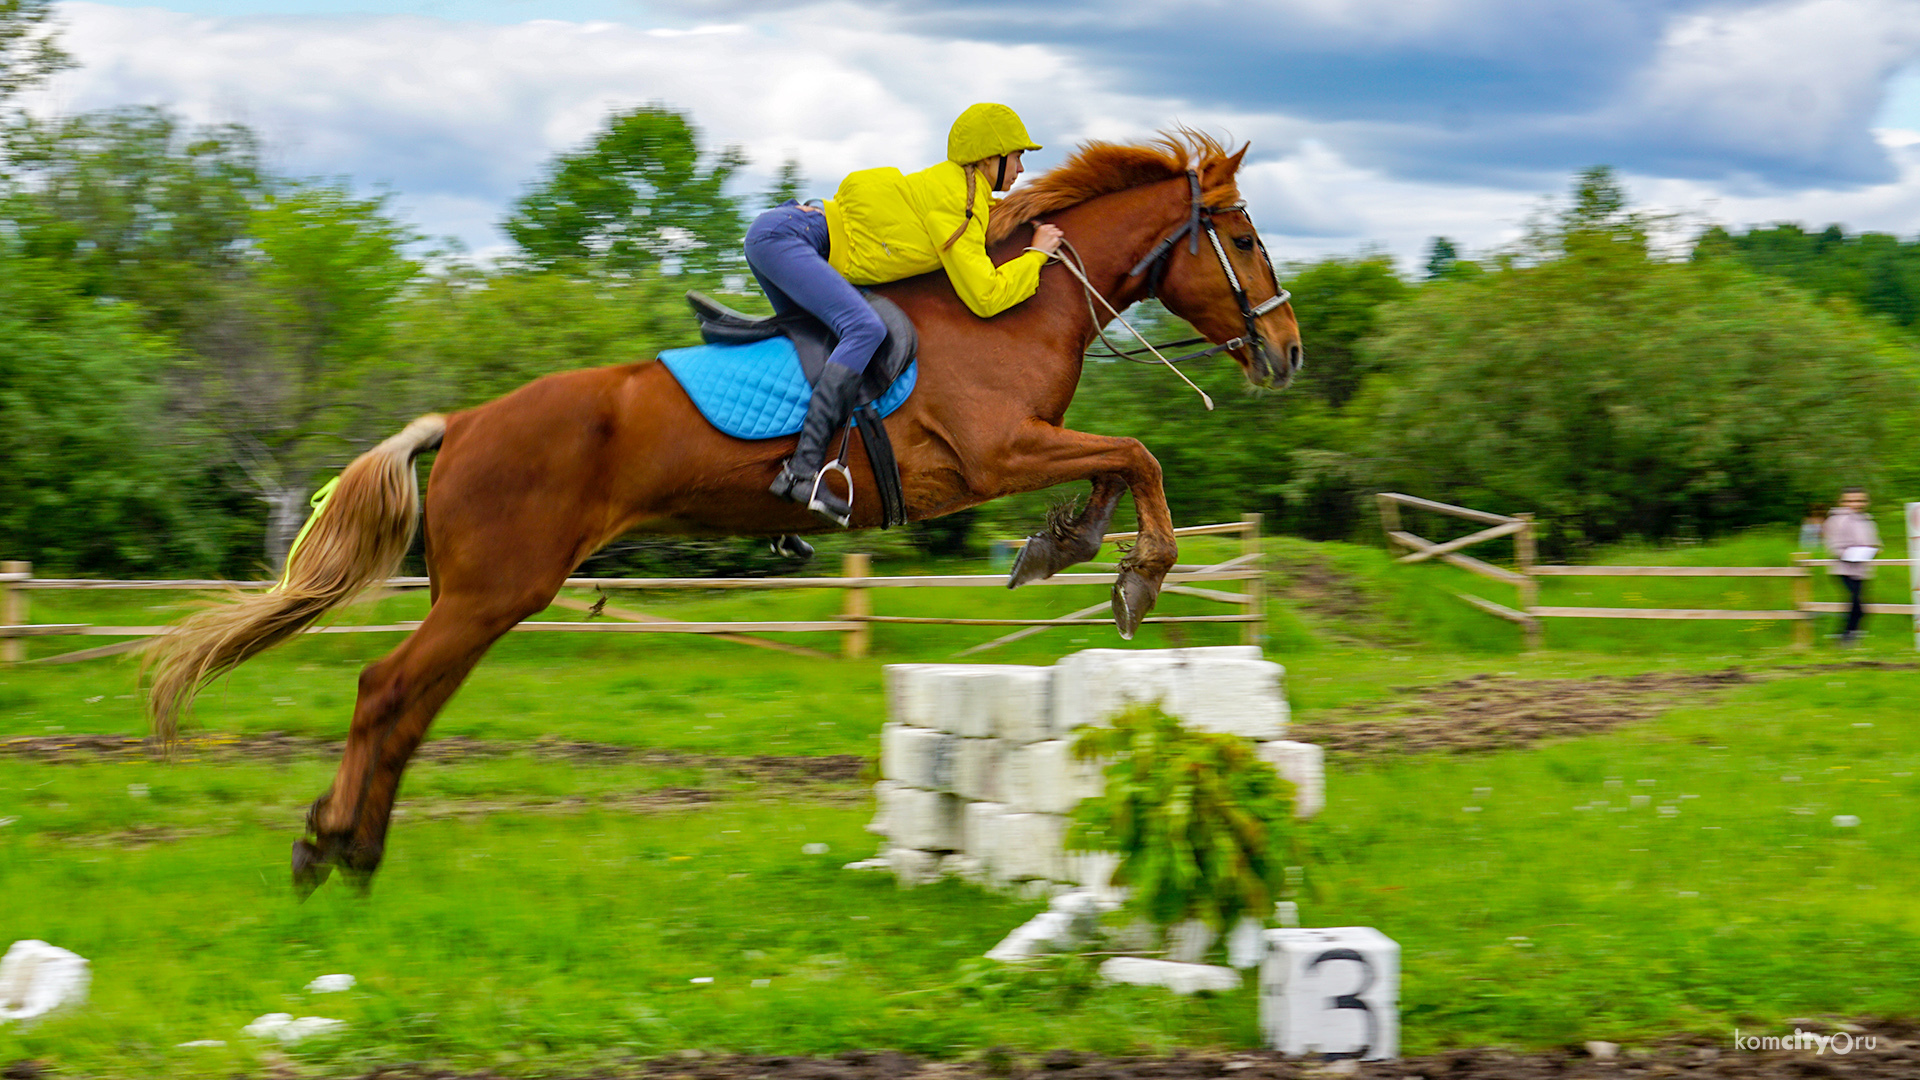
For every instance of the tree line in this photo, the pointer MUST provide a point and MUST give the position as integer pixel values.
(191, 342)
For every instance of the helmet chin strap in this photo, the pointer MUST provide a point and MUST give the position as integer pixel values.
(1000, 181)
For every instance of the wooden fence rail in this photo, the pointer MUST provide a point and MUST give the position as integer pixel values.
(1525, 577)
(855, 622)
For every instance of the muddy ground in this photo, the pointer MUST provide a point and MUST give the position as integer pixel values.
(1895, 1057)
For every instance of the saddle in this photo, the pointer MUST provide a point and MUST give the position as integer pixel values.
(722, 325)
(813, 342)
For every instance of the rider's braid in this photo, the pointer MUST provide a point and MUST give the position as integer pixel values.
(971, 171)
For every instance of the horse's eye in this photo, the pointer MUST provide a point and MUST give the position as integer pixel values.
(1244, 243)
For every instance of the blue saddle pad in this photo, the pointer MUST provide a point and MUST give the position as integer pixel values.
(758, 391)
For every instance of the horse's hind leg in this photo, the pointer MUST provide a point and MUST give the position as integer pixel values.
(1068, 540)
(399, 697)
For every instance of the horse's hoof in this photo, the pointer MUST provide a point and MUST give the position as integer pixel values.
(1037, 561)
(310, 868)
(1133, 596)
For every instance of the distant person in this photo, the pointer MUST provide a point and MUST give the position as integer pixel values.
(1811, 528)
(1852, 541)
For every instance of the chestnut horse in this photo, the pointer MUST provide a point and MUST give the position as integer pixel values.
(527, 486)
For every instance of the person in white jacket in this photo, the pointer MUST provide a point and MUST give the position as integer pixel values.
(1852, 541)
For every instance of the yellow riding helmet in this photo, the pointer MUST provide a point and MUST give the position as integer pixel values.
(987, 130)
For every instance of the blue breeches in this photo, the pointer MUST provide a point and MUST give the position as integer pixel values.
(787, 250)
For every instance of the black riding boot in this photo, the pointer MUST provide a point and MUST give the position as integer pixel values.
(800, 479)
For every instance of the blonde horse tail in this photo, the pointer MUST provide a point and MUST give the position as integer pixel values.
(356, 538)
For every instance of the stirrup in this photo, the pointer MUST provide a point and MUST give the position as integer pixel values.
(813, 497)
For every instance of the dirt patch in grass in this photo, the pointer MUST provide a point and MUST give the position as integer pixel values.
(1697, 1057)
(279, 747)
(1493, 712)
(1895, 1056)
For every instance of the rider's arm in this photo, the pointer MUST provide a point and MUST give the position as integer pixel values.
(985, 288)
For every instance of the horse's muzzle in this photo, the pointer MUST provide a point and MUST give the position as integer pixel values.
(1273, 368)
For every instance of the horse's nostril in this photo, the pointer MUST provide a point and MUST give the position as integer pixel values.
(1296, 356)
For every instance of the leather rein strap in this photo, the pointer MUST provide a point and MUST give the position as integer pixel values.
(1154, 265)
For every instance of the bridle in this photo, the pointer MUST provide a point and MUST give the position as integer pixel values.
(1200, 220)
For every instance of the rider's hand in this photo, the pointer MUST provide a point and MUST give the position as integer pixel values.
(1046, 238)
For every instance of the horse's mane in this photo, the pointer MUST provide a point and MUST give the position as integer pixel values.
(1101, 168)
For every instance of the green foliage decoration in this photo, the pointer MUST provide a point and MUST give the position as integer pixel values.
(1203, 827)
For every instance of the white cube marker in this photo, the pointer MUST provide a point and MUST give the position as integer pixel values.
(1331, 993)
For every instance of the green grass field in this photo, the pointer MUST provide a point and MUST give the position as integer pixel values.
(536, 914)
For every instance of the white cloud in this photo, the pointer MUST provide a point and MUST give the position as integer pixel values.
(456, 117)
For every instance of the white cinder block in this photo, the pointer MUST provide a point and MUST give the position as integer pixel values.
(925, 820)
(882, 802)
(1020, 700)
(917, 757)
(1332, 992)
(911, 694)
(1227, 689)
(1030, 847)
(980, 831)
(913, 868)
(1093, 871)
(1305, 765)
(1232, 697)
(979, 769)
(1044, 778)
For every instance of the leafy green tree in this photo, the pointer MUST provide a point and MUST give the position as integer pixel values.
(1876, 271)
(1618, 395)
(293, 369)
(1338, 302)
(641, 195)
(94, 481)
(139, 207)
(1441, 257)
(789, 183)
(29, 51)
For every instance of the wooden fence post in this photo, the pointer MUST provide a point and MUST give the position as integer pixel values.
(1524, 555)
(1802, 596)
(1389, 516)
(859, 640)
(1254, 633)
(13, 611)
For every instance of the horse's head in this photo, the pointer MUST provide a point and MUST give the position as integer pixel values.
(1213, 271)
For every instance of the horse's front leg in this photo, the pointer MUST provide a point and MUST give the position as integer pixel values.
(1069, 538)
(1042, 455)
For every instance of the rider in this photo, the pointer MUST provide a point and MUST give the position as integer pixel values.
(883, 226)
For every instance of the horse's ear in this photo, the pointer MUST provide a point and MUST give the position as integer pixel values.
(1221, 170)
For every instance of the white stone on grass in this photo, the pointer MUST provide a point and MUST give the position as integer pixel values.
(330, 984)
(284, 1027)
(37, 978)
(1331, 991)
(1171, 974)
(1049, 931)
(1305, 765)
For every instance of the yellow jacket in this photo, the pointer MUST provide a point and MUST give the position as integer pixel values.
(886, 225)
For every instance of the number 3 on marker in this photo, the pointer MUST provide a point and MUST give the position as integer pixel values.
(1351, 1000)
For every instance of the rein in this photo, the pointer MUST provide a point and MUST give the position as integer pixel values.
(1199, 219)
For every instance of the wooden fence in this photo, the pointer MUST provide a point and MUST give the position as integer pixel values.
(1524, 578)
(855, 621)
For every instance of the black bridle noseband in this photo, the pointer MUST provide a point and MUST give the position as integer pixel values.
(1154, 265)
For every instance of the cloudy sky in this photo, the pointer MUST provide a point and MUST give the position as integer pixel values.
(1374, 123)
